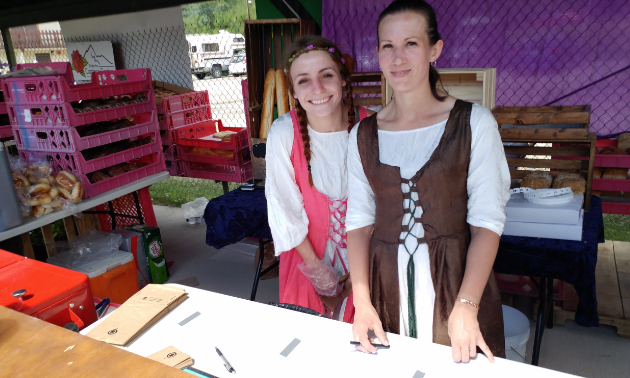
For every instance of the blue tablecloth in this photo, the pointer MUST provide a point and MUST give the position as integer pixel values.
(570, 261)
(239, 214)
(236, 215)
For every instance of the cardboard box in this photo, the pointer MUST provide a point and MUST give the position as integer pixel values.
(132, 242)
(519, 209)
(546, 230)
(152, 247)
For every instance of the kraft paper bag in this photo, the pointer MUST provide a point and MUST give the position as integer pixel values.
(172, 357)
(138, 313)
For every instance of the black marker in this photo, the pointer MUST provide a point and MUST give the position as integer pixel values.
(378, 346)
(225, 362)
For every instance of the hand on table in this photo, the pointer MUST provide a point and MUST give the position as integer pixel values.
(463, 329)
(365, 319)
(323, 276)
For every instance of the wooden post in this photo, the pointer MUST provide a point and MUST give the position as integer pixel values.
(8, 47)
(49, 238)
(27, 247)
(71, 232)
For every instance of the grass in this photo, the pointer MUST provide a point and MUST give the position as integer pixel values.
(178, 190)
(617, 227)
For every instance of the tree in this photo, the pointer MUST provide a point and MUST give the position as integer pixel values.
(211, 16)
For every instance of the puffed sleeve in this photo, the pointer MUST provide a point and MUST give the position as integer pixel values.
(488, 174)
(287, 217)
(361, 202)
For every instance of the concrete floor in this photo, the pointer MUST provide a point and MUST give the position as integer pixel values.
(589, 352)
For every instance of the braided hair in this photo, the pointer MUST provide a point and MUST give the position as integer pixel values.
(317, 42)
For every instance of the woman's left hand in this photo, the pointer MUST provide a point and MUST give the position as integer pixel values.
(463, 329)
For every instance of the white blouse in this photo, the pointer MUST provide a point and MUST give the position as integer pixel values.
(488, 191)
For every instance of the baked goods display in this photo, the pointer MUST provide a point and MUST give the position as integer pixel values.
(615, 173)
(537, 180)
(107, 102)
(112, 148)
(575, 181)
(612, 150)
(160, 92)
(105, 127)
(269, 96)
(612, 173)
(118, 169)
(210, 152)
(41, 192)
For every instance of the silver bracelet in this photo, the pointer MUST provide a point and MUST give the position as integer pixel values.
(460, 299)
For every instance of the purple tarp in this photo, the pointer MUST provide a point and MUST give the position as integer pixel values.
(558, 52)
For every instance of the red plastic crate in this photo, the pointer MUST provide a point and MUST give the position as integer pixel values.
(616, 208)
(606, 142)
(57, 89)
(239, 157)
(174, 167)
(156, 165)
(184, 118)
(181, 102)
(75, 162)
(62, 115)
(613, 185)
(200, 135)
(54, 139)
(612, 161)
(170, 152)
(129, 208)
(6, 132)
(3, 108)
(168, 137)
(240, 174)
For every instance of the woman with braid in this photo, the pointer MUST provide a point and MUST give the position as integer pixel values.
(306, 184)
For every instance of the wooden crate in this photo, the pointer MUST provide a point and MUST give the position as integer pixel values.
(552, 148)
(368, 83)
(477, 85)
(265, 42)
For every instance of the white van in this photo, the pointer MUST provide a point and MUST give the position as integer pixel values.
(211, 53)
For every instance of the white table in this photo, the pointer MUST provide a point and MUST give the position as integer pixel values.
(252, 335)
(33, 223)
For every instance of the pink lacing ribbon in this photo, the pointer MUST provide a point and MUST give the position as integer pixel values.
(337, 229)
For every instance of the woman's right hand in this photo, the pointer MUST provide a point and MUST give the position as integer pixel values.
(365, 319)
(323, 276)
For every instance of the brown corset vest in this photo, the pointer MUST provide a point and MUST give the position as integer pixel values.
(443, 196)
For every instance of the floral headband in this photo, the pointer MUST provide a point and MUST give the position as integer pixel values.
(309, 48)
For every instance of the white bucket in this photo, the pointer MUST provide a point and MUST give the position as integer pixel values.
(516, 329)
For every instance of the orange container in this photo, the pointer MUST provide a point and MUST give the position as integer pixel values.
(118, 284)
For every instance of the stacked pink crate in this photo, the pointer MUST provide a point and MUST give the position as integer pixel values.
(178, 107)
(105, 132)
(5, 125)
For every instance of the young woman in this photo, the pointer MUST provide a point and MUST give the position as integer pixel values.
(428, 182)
(307, 184)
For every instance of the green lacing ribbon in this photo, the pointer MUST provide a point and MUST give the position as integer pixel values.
(411, 275)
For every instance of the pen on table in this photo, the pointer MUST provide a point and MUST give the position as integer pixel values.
(378, 346)
(225, 362)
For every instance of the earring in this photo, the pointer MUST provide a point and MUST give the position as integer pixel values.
(434, 63)
(379, 68)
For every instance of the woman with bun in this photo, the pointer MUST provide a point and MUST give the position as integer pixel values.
(428, 181)
(306, 185)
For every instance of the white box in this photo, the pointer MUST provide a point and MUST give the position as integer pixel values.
(518, 209)
(546, 230)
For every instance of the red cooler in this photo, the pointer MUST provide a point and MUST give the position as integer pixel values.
(50, 293)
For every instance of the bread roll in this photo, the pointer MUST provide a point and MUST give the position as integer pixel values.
(20, 181)
(65, 180)
(597, 172)
(537, 180)
(575, 181)
(65, 193)
(39, 189)
(282, 92)
(77, 193)
(623, 141)
(38, 211)
(615, 173)
(225, 136)
(54, 192)
(269, 95)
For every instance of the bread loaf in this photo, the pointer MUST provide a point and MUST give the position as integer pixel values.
(615, 173)
(597, 193)
(575, 181)
(225, 136)
(597, 172)
(537, 180)
(269, 95)
(282, 92)
(612, 150)
(623, 141)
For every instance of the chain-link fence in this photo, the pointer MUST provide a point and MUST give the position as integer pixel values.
(32, 45)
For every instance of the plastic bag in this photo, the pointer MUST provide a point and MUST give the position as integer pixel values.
(193, 211)
(90, 246)
(323, 276)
